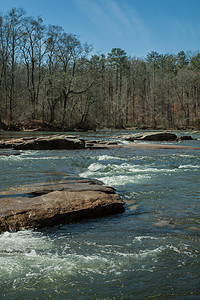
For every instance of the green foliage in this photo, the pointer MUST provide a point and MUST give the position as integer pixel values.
(118, 59)
(182, 60)
(195, 62)
(162, 62)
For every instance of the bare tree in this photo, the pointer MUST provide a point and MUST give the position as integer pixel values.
(33, 50)
(13, 34)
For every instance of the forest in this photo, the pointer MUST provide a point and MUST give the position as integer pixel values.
(49, 78)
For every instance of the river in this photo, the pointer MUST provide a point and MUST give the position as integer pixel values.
(151, 251)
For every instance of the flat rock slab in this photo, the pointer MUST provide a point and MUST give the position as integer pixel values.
(51, 204)
(65, 142)
(156, 136)
(99, 144)
(152, 136)
(53, 142)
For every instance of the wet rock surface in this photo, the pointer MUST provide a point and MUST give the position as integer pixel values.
(99, 144)
(186, 138)
(156, 136)
(53, 142)
(66, 142)
(151, 136)
(8, 152)
(46, 205)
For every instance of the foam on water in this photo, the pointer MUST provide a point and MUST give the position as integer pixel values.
(23, 241)
(125, 173)
(189, 167)
(37, 155)
(141, 238)
(55, 263)
(108, 157)
(31, 253)
(32, 264)
(122, 179)
(10, 158)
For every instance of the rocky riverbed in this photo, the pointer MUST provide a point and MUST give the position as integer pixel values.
(68, 201)
(66, 142)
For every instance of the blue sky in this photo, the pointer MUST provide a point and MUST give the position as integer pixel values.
(136, 26)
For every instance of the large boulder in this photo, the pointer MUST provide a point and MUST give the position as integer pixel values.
(152, 136)
(52, 204)
(53, 142)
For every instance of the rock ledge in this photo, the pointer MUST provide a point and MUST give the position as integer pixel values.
(53, 142)
(53, 204)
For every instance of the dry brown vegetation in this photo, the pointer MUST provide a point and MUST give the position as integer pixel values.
(49, 80)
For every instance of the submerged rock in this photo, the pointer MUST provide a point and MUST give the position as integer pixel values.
(52, 204)
(8, 152)
(53, 142)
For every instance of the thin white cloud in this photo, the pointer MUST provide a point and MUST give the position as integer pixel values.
(182, 32)
(98, 15)
(131, 24)
(118, 13)
(117, 21)
(139, 25)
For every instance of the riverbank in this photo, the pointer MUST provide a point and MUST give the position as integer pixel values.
(37, 125)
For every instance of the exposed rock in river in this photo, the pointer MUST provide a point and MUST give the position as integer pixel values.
(65, 202)
(186, 138)
(44, 143)
(156, 136)
(152, 136)
(99, 144)
(58, 142)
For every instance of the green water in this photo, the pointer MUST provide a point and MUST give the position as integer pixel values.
(151, 251)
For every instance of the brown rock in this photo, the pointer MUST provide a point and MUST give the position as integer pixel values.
(152, 136)
(99, 144)
(66, 202)
(44, 143)
(186, 138)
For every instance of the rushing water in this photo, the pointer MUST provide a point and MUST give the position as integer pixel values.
(151, 251)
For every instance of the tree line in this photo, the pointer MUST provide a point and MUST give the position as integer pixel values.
(49, 76)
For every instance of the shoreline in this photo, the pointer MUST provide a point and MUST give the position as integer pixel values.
(39, 126)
